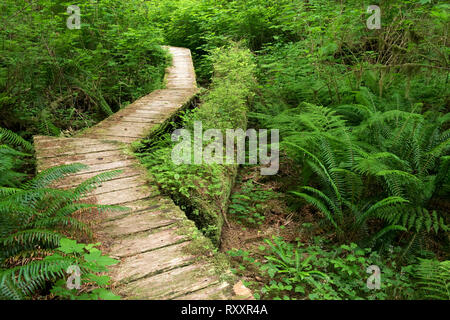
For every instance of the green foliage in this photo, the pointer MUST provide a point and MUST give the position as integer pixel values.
(90, 261)
(363, 113)
(339, 273)
(10, 163)
(204, 25)
(11, 138)
(70, 79)
(34, 218)
(22, 281)
(402, 155)
(372, 139)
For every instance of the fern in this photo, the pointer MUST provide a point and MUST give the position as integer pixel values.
(22, 281)
(434, 278)
(398, 151)
(10, 163)
(47, 177)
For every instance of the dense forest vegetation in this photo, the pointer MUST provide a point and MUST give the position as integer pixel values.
(363, 118)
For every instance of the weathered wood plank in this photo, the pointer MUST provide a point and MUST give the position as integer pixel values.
(139, 222)
(172, 284)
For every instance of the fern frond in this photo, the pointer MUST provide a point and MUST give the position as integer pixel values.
(14, 139)
(28, 278)
(31, 237)
(387, 229)
(5, 191)
(67, 223)
(389, 201)
(317, 161)
(319, 205)
(94, 182)
(46, 177)
(434, 278)
(324, 197)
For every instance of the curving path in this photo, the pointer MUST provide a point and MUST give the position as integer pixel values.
(159, 258)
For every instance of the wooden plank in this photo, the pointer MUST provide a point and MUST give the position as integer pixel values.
(122, 139)
(67, 150)
(220, 291)
(152, 262)
(120, 184)
(138, 222)
(144, 242)
(87, 159)
(126, 195)
(74, 180)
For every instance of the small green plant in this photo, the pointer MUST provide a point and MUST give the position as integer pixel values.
(90, 262)
(289, 271)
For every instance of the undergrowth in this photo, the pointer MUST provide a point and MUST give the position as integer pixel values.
(202, 190)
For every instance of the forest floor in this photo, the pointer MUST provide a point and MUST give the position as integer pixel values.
(277, 220)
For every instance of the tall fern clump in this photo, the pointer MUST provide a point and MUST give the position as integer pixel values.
(11, 159)
(319, 138)
(370, 161)
(408, 157)
(34, 220)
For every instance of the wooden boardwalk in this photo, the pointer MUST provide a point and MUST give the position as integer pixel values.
(153, 241)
